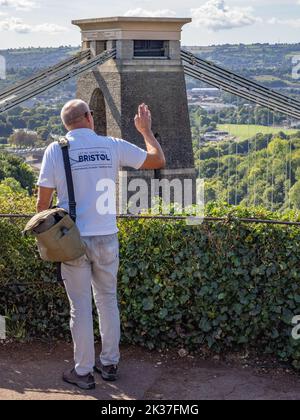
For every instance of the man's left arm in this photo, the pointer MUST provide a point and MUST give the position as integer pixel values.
(44, 200)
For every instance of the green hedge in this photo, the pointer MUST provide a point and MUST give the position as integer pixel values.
(229, 286)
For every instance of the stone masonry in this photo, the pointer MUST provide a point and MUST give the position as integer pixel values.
(115, 89)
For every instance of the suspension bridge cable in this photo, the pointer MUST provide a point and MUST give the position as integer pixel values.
(46, 85)
(286, 173)
(236, 160)
(249, 159)
(273, 170)
(236, 173)
(219, 179)
(228, 173)
(254, 166)
(267, 154)
(290, 173)
(227, 86)
(51, 71)
(210, 68)
(243, 93)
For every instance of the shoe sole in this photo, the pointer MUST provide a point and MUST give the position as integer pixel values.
(80, 385)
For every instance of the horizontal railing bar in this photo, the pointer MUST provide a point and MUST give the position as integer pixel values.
(178, 218)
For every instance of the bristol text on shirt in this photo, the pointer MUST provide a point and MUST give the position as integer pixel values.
(94, 158)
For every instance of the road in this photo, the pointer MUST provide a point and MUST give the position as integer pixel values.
(33, 372)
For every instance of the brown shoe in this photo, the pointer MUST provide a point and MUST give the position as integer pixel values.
(108, 373)
(84, 382)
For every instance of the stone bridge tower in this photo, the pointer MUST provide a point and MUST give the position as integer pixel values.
(148, 69)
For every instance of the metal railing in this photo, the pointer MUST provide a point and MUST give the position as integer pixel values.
(229, 218)
(163, 218)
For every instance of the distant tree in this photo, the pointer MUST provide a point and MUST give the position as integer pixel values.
(54, 120)
(23, 138)
(33, 123)
(295, 195)
(15, 111)
(59, 130)
(17, 122)
(43, 133)
(6, 129)
(26, 113)
(278, 147)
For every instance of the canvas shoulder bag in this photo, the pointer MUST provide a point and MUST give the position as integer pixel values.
(58, 237)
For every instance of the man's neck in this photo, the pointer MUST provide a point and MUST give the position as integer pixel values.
(80, 128)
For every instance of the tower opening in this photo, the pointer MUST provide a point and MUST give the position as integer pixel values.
(97, 104)
(151, 48)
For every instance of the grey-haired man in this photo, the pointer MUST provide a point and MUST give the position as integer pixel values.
(93, 158)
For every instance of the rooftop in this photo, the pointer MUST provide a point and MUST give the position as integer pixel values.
(127, 19)
(120, 26)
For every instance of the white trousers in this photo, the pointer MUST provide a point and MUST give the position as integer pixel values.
(96, 272)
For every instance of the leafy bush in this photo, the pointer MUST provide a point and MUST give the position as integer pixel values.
(225, 285)
(14, 200)
(15, 167)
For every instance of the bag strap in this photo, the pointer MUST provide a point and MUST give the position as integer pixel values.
(64, 144)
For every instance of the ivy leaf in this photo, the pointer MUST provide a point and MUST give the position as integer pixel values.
(148, 304)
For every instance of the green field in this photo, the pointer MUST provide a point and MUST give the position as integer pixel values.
(244, 132)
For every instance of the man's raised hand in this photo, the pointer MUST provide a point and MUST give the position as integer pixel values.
(143, 120)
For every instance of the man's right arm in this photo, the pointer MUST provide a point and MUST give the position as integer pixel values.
(155, 156)
(46, 181)
(45, 196)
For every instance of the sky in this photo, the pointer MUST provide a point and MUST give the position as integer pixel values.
(25, 23)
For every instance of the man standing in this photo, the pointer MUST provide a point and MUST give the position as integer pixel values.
(93, 158)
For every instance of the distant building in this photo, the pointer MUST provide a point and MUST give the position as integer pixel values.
(295, 124)
(215, 136)
(205, 91)
(25, 130)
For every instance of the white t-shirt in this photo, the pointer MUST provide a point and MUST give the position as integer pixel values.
(93, 158)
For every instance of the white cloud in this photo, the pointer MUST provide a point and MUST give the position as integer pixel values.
(295, 23)
(139, 12)
(17, 25)
(14, 24)
(19, 4)
(50, 28)
(216, 15)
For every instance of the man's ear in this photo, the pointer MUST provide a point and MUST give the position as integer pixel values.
(91, 121)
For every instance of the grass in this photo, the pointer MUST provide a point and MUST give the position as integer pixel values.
(268, 79)
(244, 132)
